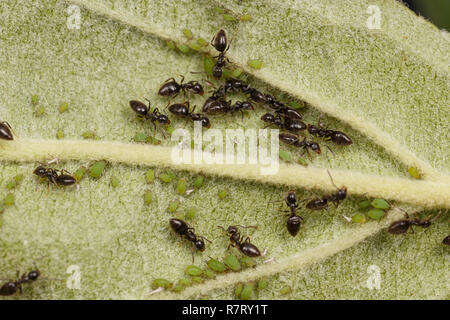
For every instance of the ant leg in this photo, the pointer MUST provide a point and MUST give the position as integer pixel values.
(330, 150)
(202, 237)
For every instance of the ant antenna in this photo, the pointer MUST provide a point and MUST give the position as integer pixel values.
(332, 179)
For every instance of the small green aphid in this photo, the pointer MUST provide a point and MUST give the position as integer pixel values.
(302, 162)
(89, 135)
(11, 184)
(170, 129)
(248, 262)
(198, 182)
(380, 204)
(202, 42)
(295, 105)
(237, 73)
(183, 48)
(148, 197)
(173, 206)
(247, 291)
(63, 107)
(34, 99)
(191, 213)
(364, 204)
(39, 111)
(285, 290)
(185, 282)
(216, 265)
(178, 287)
(18, 178)
(359, 218)
(181, 186)
(197, 280)
(375, 214)
(262, 284)
(226, 73)
(59, 134)
(414, 172)
(255, 64)
(284, 156)
(223, 194)
(161, 283)
(79, 174)
(170, 44)
(232, 262)
(164, 177)
(238, 290)
(180, 216)
(150, 176)
(228, 17)
(96, 169)
(171, 174)
(9, 200)
(194, 271)
(187, 33)
(209, 274)
(114, 181)
(194, 46)
(140, 137)
(219, 10)
(246, 17)
(208, 65)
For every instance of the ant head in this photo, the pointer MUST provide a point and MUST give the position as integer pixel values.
(268, 117)
(163, 119)
(33, 275)
(200, 245)
(291, 198)
(342, 193)
(247, 106)
(205, 122)
(315, 147)
(426, 224)
(312, 129)
(232, 230)
(40, 171)
(197, 88)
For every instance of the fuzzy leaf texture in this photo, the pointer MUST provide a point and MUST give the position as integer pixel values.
(387, 88)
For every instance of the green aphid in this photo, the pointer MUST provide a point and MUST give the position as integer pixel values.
(164, 177)
(152, 140)
(202, 42)
(302, 162)
(219, 10)
(364, 204)
(255, 64)
(262, 284)
(96, 169)
(89, 135)
(178, 287)
(380, 204)
(375, 214)
(140, 137)
(238, 290)
(79, 174)
(247, 291)
(170, 44)
(185, 282)
(223, 194)
(114, 181)
(181, 186)
(191, 213)
(161, 283)
(228, 17)
(170, 129)
(237, 73)
(9, 200)
(359, 218)
(208, 65)
(18, 178)
(173, 206)
(198, 182)
(284, 156)
(285, 290)
(150, 176)
(39, 111)
(187, 33)
(183, 48)
(216, 265)
(11, 185)
(246, 17)
(34, 100)
(59, 134)
(295, 105)
(194, 46)
(248, 262)
(171, 174)
(180, 216)
(227, 73)
(193, 271)
(209, 274)
(232, 262)
(197, 280)
(63, 107)
(414, 172)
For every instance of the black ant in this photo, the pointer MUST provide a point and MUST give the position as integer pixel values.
(5, 131)
(11, 287)
(63, 179)
(402, 226)
(335, 136)
(290, 124)
(322, 203)
(173, 88)
(182, 110)
(142, 110)
(294, 221)
(293, 139)
(183, 229)
(219, 42)
(236, 85)
(239, 242)
(446, 240)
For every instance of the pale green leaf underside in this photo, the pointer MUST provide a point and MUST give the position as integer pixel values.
(119, 243)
